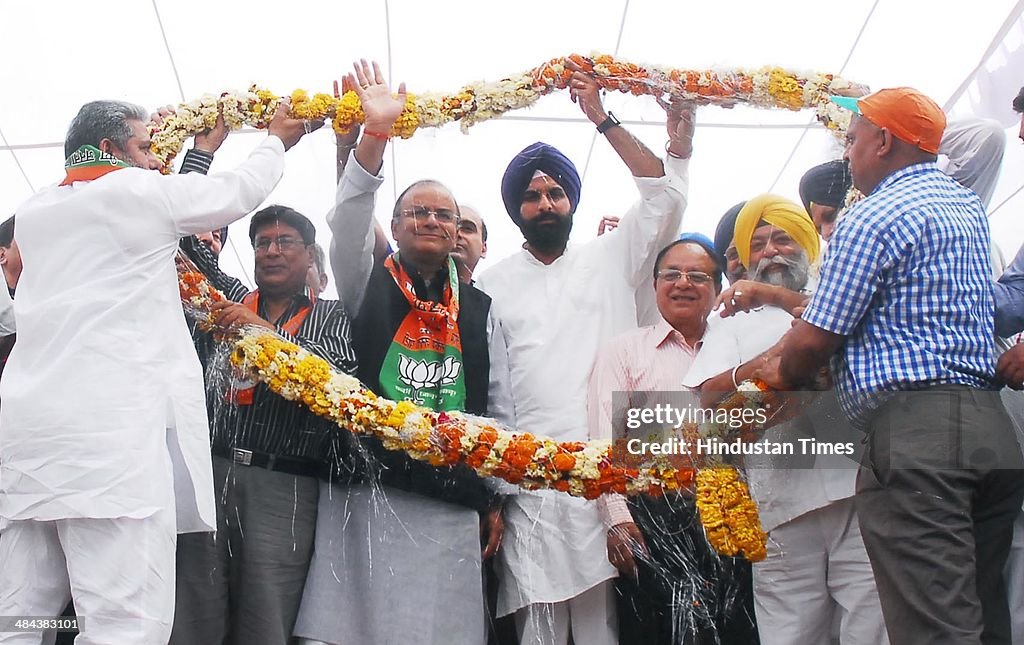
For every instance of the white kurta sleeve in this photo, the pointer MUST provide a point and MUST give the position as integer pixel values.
(351, 222)
(199, 203)
(499, 390)
(974, 148)
(651, 223)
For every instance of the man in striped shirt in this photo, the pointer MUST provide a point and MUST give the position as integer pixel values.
(245, 582)
(905, 298)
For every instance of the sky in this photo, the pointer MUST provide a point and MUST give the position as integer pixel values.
(60, 54)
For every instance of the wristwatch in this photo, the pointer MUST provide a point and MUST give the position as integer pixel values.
(608, 123)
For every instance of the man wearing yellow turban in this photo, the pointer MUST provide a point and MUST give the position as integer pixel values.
(781, 213)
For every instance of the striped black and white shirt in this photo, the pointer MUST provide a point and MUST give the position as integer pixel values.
(270, 424)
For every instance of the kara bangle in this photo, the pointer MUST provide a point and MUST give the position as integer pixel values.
(668, 144)
(735, 385)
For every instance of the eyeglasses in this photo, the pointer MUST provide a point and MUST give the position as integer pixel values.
(284, 243)
(422, 214)
(694, 277)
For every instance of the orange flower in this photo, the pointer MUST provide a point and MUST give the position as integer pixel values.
(564, 462)
(520, 451)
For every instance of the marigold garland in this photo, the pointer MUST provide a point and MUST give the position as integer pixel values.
(767, 87)
(729, 515)
(583, 469)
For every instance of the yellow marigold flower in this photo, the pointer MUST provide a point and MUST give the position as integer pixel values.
(348, 112)
(785, 89)
(408, 121)
(397, 417)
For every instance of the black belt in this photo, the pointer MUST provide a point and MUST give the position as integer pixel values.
(277, 463)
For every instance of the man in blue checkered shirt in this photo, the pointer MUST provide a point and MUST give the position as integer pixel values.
(905, 306)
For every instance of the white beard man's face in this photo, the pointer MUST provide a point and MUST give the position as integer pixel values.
(790, 272)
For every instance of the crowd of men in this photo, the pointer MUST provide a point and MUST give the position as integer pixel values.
(158, 495)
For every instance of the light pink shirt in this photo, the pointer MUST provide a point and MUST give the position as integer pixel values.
(648, 359)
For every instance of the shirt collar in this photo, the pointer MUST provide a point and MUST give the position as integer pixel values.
(666, 333)
(897, 175)
(435, 290)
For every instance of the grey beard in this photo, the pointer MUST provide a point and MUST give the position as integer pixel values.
(794, 274)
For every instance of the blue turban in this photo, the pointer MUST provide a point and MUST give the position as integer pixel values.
(705, 242)
(547, 159)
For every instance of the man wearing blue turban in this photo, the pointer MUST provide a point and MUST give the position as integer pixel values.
(558, 303)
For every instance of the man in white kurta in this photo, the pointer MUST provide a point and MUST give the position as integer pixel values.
(104, 443)
(558, 304)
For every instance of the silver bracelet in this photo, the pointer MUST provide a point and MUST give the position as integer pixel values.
(674, 155)
(735, 385)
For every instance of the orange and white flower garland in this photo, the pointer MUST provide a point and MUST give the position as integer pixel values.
(584, 469)
(767, 87)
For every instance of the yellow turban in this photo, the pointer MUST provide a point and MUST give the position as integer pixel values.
(780, 212)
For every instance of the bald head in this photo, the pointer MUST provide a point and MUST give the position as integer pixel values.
(471, 243)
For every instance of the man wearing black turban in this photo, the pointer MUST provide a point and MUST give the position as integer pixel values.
(734, 269)
(823, 191)
(558, 304)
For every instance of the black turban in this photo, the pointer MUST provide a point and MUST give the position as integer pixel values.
(727, 228)
(826, 184)
(519, 174)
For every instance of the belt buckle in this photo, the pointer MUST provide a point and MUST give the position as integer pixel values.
(243, 457)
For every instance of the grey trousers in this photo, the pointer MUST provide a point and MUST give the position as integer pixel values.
(939, 489)
(243, 585)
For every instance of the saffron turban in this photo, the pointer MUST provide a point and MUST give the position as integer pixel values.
(547, 159)
(779, 212)
(826, 184)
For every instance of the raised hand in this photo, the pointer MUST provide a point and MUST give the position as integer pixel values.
(289, 129)
(211, 140)
(381, 108)
(157, 118)
(607, 223)
(585, 92)
(680, 124)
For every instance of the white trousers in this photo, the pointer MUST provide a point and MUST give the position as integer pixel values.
(817, 567)
(120, 573)
(590, 615)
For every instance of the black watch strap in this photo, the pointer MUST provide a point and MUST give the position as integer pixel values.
(608, 123)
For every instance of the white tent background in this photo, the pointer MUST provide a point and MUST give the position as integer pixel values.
(59, 54)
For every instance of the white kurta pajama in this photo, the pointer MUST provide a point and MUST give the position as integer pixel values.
(555, 318)
(817, 565)
(103, 428)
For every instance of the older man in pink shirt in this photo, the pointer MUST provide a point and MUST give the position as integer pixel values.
(671, 586)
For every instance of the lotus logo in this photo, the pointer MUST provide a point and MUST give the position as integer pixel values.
(423, 374)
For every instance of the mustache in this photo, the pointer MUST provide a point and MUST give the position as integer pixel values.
(447, 235)
(794, 276)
